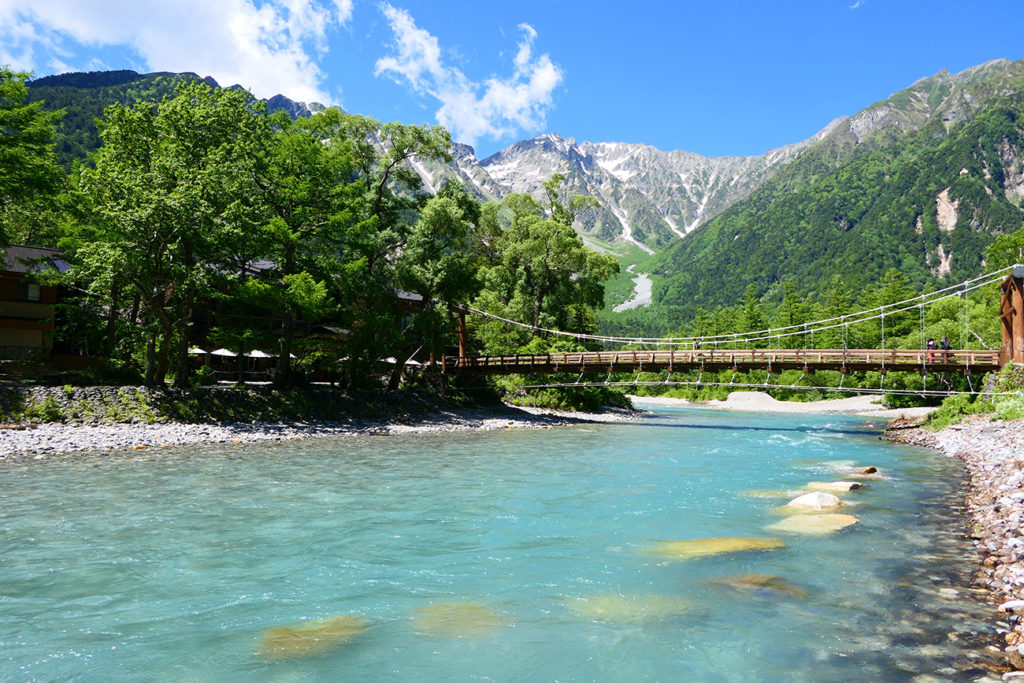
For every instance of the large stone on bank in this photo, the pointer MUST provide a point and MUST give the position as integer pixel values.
(456, 620)
(833, 486)
(628, 609)
(818, 501)
(814, 524)
(706, 547)
(312, 637)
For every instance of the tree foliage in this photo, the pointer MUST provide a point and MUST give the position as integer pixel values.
(29, 175)
(201, 218)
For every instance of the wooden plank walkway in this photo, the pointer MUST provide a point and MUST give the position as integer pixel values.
(740, 360)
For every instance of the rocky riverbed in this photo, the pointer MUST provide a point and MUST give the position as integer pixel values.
(993, 454)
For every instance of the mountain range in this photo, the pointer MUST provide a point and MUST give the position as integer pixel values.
(921, 181)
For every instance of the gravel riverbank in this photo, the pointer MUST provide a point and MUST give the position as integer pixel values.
(54, 438)
(993, 454)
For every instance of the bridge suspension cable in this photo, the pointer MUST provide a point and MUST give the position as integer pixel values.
(857, 390)
(867, 315)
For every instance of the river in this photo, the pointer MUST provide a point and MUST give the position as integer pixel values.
(516, 555)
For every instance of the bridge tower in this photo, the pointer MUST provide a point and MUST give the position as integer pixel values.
(1011, 314)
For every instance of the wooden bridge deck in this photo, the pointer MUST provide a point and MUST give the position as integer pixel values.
(740, 360)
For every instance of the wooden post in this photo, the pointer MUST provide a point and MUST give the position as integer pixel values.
(463, 338)
(1011, 316)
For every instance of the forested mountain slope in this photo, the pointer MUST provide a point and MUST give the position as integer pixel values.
(83, 97)
(921, 182)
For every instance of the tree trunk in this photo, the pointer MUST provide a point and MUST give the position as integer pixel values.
(283, 378)
(183, 369)
(133, 319)
(150, 362)
(163, 358)
(110, 333)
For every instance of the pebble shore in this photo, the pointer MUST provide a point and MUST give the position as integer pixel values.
(993, 455)
(49, 439)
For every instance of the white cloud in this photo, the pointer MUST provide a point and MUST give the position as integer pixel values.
(857, 4)
(270, 47)
(495, 108)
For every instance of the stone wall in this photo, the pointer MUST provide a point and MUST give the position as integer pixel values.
(106, 405)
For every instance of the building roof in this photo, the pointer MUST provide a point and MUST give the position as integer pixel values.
(409, 297)
(21, 259)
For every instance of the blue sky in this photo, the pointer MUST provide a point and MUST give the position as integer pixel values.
(718, 78)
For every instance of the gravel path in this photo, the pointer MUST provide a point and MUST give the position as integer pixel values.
(993, 454)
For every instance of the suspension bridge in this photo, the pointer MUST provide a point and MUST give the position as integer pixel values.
(735, 352)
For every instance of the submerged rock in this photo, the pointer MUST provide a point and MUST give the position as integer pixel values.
(833, 486)
(705, 547)
(812, 502)
(456, 620)
(313, 637)
(766, 494)
(762, 585)
(627, 609)
(814, 524)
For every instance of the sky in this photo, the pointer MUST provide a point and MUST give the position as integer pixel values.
(730, 77)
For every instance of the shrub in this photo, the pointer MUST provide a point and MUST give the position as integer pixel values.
(1010, 408)
(46, 411)
(203, 377)
(954, 409)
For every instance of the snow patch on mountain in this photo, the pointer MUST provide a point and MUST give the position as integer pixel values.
(643, 289)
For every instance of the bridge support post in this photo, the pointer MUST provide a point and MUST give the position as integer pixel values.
(1011, 315)
(463, 338)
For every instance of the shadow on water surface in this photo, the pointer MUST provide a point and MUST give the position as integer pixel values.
(731, 427)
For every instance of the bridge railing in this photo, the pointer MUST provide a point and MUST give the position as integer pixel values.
(840, 359)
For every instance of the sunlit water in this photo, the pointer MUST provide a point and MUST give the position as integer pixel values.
(170, 564)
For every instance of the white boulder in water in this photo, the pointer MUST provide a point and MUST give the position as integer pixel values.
(813, 502)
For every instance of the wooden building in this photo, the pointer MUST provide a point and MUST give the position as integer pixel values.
(26, 305)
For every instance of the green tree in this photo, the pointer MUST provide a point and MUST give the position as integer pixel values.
(837, 302)
(892, 288)
(29, 175)
(169, 203)
(752, 317)
(384, 156)
(541, 272)
(791, 312)
(1007, 250)
(308, 201)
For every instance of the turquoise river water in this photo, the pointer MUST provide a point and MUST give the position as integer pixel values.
(520, 555)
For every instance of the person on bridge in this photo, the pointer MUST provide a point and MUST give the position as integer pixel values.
(945, 346)
(931, 349)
